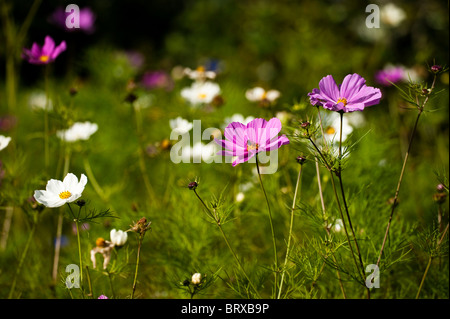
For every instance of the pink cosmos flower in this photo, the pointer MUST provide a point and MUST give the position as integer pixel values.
(352, 95)
(245, 141)
(45, 55)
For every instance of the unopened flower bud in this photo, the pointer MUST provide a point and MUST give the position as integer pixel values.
(301, 160)
(80, 202)
(436, 68)
(193, 185)
(305, 124)
(440, 188)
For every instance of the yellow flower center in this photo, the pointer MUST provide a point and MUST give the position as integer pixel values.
(202, 96)
(65, 195)
(44, 58)
(330, 130)
(201, 69)
(252, 146)
(343, 100)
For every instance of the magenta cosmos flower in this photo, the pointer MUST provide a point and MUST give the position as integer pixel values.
(45, 55)
(86, 18)
(245, 141)
(352, 95)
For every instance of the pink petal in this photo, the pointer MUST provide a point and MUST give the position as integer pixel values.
(328, 88)
(351, 85)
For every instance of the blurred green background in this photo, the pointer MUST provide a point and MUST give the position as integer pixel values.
(284, 45)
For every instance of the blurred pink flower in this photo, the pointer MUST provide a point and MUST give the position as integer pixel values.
(87, 19)
(156, 80)
(245, 141)
(389, 75)
(45, 55)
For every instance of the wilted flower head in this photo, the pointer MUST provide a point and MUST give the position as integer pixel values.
(141, 226)
(201, 92)
(78, 131)
(58, 193)
(87, 19)
(103, 247)
(352, 95)
(4, 141)
(45, 55)
(258, 94)
(390, 74)
(245, 141)
(196, 278)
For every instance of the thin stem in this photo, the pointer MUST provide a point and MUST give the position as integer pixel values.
(142, 166)
(137, 265)
(322, 202)
(429, 263)
(67, 155)
(22, 259)
(345, 202)
(329, 168)
(79, 247)
(228, 243)
(394, 203)
(271, 226)
(47, 103)
(111, 285)
(297, 186)
(89, 281)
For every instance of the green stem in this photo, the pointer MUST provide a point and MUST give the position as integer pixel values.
(345, 202)
(47, 103)
(137, 265)
(394, 204)
(22, 259)
(290, 229)
(271, 226)
(228, 243)
(429, 263)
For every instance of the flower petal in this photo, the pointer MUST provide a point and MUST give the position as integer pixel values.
(351, 85)
(329, 89)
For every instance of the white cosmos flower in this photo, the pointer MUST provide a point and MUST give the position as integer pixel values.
(58, 193)
(38, 101)
(258, 94)
(4, 141)
(338, 225)
(180, 125)
(333, 129)
(199, 74)
(237, 118)
(201, 92)
(78, 131)
(118, 237)
(198, 152)
(196, 278)
(392, 15)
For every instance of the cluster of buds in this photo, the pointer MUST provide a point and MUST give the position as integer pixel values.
(141, 226)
